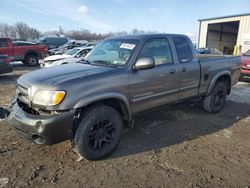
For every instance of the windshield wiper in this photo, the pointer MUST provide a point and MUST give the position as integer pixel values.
(105, 63)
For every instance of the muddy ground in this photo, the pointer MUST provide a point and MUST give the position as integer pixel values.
(180, 146)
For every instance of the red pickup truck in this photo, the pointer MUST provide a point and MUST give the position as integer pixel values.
(28, 53)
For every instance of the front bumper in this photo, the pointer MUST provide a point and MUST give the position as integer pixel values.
(42, 129)
(245, 73)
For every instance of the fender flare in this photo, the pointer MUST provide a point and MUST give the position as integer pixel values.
(215, 78)
(96, 98)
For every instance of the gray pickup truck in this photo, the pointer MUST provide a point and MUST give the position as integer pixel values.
(90, 102)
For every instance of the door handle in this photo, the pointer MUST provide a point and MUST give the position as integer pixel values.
(184, 69)
(172, 71)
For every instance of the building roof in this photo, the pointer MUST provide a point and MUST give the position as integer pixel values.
(231, 16)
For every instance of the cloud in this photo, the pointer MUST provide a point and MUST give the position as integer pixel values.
(85, 18)
(82, 9)
(153, 10)
(74, 12)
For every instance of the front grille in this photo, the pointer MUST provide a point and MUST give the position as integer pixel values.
(22, 94)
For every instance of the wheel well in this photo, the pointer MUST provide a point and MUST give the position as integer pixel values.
(31, 53)
(117, 104)
(227, 80)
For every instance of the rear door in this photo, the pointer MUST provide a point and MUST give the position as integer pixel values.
(156, 86)
(6, 48)
(189, 68)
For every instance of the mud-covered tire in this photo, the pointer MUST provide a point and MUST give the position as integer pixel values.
(102, 125)
(214, 102)
(32, 60)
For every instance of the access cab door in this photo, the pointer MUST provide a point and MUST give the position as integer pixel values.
(156, 86)
(188, 67)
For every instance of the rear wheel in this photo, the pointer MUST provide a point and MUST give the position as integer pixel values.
(214, 102)
(99, 132)
(31, 60)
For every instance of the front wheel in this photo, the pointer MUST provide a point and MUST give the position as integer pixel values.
(99, 132)
(214, 102)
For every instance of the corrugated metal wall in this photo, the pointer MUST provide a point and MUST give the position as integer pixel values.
(244, 30)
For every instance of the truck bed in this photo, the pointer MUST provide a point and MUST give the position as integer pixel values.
(212, 65)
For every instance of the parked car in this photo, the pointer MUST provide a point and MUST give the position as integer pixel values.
(71, 56)
(209, 51)
(28, 54)
(245, 69)
(90, 44)
(5, 66)
(54, 42)
(89, 103)
(64, 48)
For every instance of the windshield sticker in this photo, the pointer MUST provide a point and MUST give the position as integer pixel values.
(127, 46)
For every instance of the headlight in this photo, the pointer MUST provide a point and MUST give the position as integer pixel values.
(48, 98)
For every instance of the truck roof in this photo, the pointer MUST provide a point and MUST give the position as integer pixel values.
(143, 36)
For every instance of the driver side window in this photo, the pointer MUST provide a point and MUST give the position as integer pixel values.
(158, 49)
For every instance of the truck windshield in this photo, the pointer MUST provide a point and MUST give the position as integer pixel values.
(114, 52)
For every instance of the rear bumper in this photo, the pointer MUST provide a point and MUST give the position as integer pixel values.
(42, 129)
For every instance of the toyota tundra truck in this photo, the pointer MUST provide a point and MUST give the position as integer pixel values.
(28, 53)
(90, 102)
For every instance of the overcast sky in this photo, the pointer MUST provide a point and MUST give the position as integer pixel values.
(102, 16)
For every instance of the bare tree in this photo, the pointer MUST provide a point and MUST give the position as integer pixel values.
(19, 31)
(22, 30)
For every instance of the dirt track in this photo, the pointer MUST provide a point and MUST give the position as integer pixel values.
(181, 146)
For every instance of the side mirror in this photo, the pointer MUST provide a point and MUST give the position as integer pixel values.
(144, 63)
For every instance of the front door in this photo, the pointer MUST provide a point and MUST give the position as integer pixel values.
(156, 86)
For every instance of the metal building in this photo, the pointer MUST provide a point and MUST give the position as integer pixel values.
(228, 34)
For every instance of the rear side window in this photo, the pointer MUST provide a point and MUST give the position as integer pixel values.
(3, 43)
(183, 50)
(158, 49)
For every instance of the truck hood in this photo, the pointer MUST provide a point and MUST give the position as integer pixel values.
(56, 57)
(50, 77)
